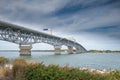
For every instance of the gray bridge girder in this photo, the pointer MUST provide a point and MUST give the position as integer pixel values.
(24, 36)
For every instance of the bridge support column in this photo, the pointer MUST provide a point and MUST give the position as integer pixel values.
(70, 50)
(57, 49)
(25, 50)
(78, 50)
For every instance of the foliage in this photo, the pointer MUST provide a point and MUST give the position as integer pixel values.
(5, 74)
(3, 61)
(55, 72)
(23, 70)
(103, 51)
(19, 66)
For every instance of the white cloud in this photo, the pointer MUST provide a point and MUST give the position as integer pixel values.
(36, 14)
(92, 18)
(40, 6)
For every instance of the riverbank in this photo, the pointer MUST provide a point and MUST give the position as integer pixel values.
(103, 51)
(30, 70)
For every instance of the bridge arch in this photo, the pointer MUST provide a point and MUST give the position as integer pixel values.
(26, 37)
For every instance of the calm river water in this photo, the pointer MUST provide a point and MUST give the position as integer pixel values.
(88, 60)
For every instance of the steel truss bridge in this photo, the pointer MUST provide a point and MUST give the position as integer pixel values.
(25, 37)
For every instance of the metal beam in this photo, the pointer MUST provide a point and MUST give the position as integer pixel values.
(24, 36)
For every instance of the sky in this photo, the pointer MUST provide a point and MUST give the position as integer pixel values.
(95, 24)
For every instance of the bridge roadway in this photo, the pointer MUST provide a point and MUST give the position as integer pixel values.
(25, 37)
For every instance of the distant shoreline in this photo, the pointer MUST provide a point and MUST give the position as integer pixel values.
(64, 50)
(31, 50)
(104, 51)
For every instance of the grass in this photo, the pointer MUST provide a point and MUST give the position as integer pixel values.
(5, 74)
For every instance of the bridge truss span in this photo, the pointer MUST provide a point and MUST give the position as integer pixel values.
(24, 36)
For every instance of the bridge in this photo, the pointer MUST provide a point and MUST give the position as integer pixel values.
(25, 37)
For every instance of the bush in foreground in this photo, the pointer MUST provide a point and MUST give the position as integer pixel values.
(3, 61)
(23, 70)
(6, 74)
(19, 66)
(54, 72)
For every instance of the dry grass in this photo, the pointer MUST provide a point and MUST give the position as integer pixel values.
(5, 74)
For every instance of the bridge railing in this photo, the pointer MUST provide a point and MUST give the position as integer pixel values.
(21, 35)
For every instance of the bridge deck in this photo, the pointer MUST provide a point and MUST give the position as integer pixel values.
(26, 32)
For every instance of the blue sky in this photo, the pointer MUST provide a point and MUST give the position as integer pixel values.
(93, 23)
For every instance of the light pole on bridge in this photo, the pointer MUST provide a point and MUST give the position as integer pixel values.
(50, 30)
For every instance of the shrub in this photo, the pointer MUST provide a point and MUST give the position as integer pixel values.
(3, 61)
(6, 74)
(19, 66)
(24, 71)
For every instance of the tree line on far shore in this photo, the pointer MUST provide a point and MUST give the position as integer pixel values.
(103, 51)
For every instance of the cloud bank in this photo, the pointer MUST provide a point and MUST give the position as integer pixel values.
(94, 23)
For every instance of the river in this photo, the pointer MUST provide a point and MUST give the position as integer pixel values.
(88, 60)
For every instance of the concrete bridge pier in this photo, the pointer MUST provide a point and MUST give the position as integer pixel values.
(25, 50)
(78, 50)
(70, 50)
(57, 49)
